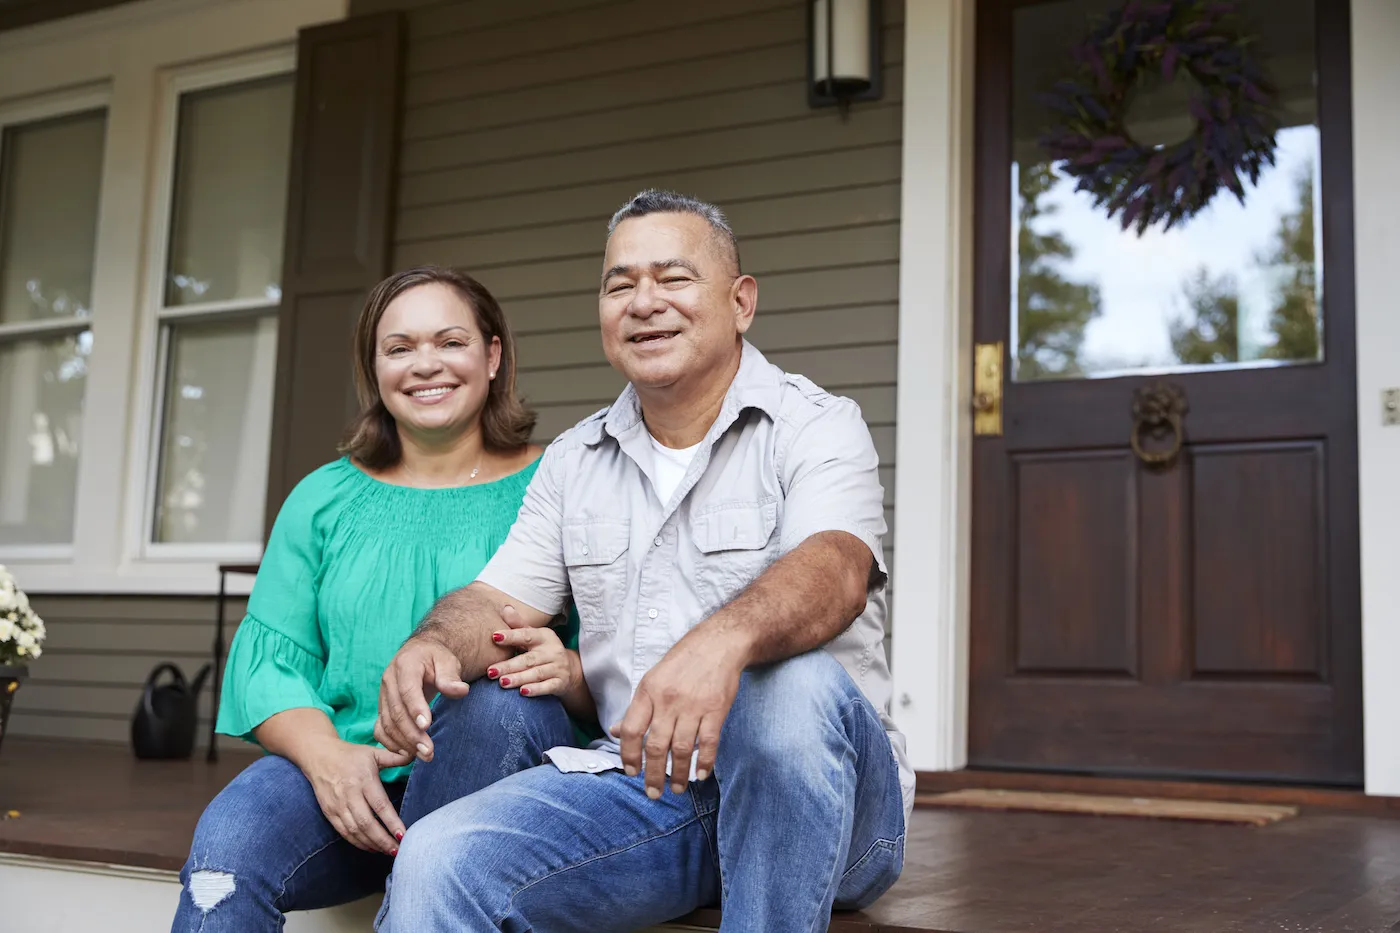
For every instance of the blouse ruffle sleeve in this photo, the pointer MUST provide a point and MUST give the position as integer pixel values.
(278, 657)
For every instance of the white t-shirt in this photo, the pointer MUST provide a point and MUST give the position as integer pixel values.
(671, 465)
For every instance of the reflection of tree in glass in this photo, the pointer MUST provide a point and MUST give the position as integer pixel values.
(1052, 310)
(1210, 333)
(1294, 320)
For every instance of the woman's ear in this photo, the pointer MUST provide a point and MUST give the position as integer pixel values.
(493, 357)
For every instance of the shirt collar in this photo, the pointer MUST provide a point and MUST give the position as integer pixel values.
(757, 384)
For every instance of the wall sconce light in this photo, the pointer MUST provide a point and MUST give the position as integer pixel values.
(843, 52)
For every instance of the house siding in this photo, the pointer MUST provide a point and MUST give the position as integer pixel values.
(527, 124)
(98, 654)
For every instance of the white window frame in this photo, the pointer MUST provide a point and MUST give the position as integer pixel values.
(152, 367)
(34, 110)
(136, 54)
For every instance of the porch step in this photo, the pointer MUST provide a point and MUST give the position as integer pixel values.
(44, 895)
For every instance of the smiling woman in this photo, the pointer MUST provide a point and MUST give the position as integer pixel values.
(436, 466)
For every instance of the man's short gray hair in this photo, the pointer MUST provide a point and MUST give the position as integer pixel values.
(658, 201)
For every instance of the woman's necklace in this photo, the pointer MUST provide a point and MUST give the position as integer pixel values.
(413, 477)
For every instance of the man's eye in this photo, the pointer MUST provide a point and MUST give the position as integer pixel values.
(621, 286)
(674, 280)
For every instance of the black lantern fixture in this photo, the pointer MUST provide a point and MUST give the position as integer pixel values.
(843, 52)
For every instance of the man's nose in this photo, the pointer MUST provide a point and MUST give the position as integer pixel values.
(646, 299)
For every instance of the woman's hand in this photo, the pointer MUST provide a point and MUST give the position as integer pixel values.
(345, 777)
(543, 665)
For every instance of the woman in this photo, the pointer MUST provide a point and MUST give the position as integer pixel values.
(434, 471)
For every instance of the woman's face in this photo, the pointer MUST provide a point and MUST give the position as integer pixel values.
(431, 363)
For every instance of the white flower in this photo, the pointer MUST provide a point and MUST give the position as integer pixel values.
(35, 652)
(7, 628)
(22, 601)
(7, 599)
(26, 640)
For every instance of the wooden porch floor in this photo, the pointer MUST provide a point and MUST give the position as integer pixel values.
(1326, 871)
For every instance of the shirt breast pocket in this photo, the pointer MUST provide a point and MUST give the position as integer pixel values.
(736, 544)
(595, 553)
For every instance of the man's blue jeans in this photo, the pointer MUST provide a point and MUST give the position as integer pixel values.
(263, 847)
(804, 813)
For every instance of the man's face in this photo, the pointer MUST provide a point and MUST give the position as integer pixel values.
(672, 304)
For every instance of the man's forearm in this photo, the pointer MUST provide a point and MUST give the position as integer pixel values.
(801, 602)
(462, 622)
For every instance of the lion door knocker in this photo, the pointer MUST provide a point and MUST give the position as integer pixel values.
(1158, 410)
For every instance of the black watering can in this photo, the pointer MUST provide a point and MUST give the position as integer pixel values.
(167, 715)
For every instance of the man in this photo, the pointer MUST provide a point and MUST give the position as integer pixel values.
(719, 528)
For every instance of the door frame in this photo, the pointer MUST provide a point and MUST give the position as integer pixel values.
(933, 438)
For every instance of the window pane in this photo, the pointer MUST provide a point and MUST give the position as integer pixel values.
(217, 426)
(1236, 283)
(41, 420)
(232, 153)
(50, 176)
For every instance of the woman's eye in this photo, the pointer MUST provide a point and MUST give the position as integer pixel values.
(454, 344)
(396, 351)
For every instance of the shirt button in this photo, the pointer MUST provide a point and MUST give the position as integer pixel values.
(652, 613)
(658, 542)
(585, 549)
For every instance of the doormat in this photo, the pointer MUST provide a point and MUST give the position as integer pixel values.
(1158, 808)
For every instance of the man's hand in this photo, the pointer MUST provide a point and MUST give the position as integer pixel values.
(403, 707)
(345, 778)
(681, 701)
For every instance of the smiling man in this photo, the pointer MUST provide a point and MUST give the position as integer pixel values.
(719, 529)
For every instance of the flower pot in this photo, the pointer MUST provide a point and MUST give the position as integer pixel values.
(11, 675)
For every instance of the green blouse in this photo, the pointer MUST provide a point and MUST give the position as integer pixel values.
(351, 567)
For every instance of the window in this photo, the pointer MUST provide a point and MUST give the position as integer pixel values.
(145, 152)
(50, 183)
(216, 296)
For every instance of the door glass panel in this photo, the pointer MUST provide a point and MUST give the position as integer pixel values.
(1233, 280)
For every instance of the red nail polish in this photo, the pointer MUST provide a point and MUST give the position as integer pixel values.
(491, 672)
(393, 852)
(398, 836)
(505, 681)
(498, 636)
(524, 691)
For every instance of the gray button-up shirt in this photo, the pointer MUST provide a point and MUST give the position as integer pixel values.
(783, 461)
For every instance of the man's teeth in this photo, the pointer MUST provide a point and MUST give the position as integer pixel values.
(429, 393)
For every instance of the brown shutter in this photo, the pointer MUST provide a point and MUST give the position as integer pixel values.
(339, 212)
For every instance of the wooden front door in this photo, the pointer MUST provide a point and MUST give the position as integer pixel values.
(1187, 605)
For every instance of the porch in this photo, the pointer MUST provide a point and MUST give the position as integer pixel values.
(94, 819)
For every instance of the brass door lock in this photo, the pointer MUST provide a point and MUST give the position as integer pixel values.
(986, 390)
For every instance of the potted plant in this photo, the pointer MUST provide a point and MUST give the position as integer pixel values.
(21, 639)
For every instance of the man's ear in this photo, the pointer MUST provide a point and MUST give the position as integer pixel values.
(743, 297)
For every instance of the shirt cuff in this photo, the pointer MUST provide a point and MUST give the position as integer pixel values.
(519, 587)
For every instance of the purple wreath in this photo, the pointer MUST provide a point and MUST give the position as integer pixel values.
(1233, 111)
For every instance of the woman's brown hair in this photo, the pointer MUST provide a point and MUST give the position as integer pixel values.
(372, 437)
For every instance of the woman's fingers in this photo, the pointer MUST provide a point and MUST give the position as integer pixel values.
(550, 687)
(368, 831)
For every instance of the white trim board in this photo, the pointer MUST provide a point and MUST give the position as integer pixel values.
(933, 484)
(932, 433)
(1375, 36)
